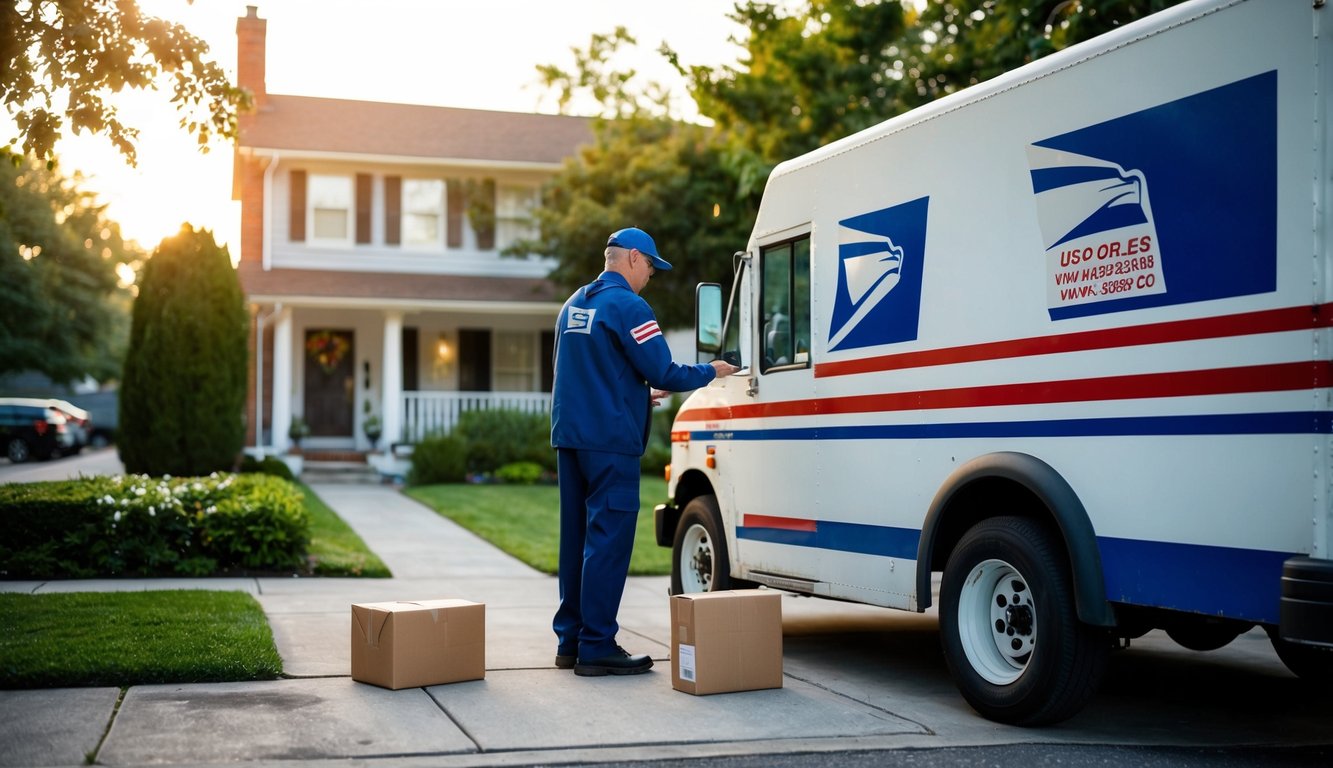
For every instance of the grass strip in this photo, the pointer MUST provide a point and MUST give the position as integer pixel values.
(335, 549)
(133, 638)
(524, 520)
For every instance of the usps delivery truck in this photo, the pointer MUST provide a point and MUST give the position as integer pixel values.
(1063, 338)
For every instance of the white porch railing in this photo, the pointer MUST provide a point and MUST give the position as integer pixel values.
(428, 412)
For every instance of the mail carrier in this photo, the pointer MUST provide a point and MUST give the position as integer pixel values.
(1062, 338)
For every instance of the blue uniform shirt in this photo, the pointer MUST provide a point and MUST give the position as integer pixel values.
(608, 353)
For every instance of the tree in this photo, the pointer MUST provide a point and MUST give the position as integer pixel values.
(644, 169)
(654, 173)
(182, 397)
(66, 314)
(808, 74)
(963, 42)
(807, 77)
(79, 51)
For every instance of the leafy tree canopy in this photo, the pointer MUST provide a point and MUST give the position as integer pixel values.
(66, 313)
(808, 73)
(60, 59)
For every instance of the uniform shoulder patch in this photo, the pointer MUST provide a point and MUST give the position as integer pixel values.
(646, 331)
(579, 320)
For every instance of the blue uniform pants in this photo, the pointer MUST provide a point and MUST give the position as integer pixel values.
(599, 507)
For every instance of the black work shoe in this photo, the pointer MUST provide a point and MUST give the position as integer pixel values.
(618, 663)
(565, 661)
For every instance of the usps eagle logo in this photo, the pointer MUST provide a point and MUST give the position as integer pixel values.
(880, 255)
(1079, 196)
(1171, 204)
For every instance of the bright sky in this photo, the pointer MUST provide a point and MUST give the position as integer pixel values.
(478, 54)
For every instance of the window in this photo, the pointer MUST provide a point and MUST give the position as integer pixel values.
(423, 212)
(515, 361)
(330, 208)
(785, 298)
(513, 215)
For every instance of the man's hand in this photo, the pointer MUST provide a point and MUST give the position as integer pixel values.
(655, 396)
(723, 368)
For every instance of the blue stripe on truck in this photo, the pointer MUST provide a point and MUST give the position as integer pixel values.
(1283, 423)
(1216, 581)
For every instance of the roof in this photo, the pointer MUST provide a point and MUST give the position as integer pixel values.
(385, 287)
(302, 123)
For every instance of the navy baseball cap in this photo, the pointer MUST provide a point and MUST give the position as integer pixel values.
(636, 239)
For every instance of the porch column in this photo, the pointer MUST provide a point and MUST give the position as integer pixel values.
(391, 407)
(282, 381)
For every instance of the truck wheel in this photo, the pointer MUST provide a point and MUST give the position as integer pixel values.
(18, 450)
(699, 554)
(1308, 662)
(1009, 627)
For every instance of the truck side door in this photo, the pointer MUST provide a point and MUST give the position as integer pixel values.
(777, 494)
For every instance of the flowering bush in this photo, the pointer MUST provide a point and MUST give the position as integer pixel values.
(136, 525)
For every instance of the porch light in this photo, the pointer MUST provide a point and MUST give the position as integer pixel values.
(443, 352)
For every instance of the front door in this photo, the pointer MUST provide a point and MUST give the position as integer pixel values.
(330, 382)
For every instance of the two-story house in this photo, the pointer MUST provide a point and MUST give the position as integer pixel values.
(370, 249)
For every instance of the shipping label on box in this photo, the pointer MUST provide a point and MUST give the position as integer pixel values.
(410, 644)
(726, 641)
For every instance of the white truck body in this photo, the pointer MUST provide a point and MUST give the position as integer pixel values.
(1093, 292)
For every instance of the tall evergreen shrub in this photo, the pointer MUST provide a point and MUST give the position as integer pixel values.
(182, 397)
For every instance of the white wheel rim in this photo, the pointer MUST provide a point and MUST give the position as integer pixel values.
(696, 560)
(997, 621)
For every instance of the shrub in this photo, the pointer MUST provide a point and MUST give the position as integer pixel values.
(501, 436)
(438, 459)
(140, 526)
(520, 473)
(182, 396)
(269, 465)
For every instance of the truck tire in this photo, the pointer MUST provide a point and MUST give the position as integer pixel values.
(699, 560)
(1010, 629)
(1312, 663)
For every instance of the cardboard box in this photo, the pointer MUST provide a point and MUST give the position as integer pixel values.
(726, 641)
(407, 644)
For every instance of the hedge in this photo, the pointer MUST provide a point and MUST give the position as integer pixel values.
(138, 526)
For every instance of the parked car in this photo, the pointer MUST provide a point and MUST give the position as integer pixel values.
(103, 406)
(79, 423)
(33, 428)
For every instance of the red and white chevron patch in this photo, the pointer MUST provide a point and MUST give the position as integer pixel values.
(645, 332)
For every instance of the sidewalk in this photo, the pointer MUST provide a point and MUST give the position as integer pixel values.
(524, 708)
(855, 678)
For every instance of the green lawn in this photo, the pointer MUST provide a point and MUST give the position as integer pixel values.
(132, 638)
(335, 549)
(524, 520)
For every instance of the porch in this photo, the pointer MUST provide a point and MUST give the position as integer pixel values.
(344, 379)
(426, 413)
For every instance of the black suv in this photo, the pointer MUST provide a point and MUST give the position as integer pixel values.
(33, 428)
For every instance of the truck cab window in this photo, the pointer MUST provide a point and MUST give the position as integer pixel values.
(785, 305)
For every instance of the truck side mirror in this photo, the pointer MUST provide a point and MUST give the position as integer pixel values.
(707, 321)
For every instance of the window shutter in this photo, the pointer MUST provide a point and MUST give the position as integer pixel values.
(548, 361)
(474, 360)
(296, 212)
(454, 192)
(363, 181)
(486, 232)
(393, 210)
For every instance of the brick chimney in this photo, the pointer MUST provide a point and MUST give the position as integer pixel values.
(250, 33)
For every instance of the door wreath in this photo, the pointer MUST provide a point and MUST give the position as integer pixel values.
(327, 349)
